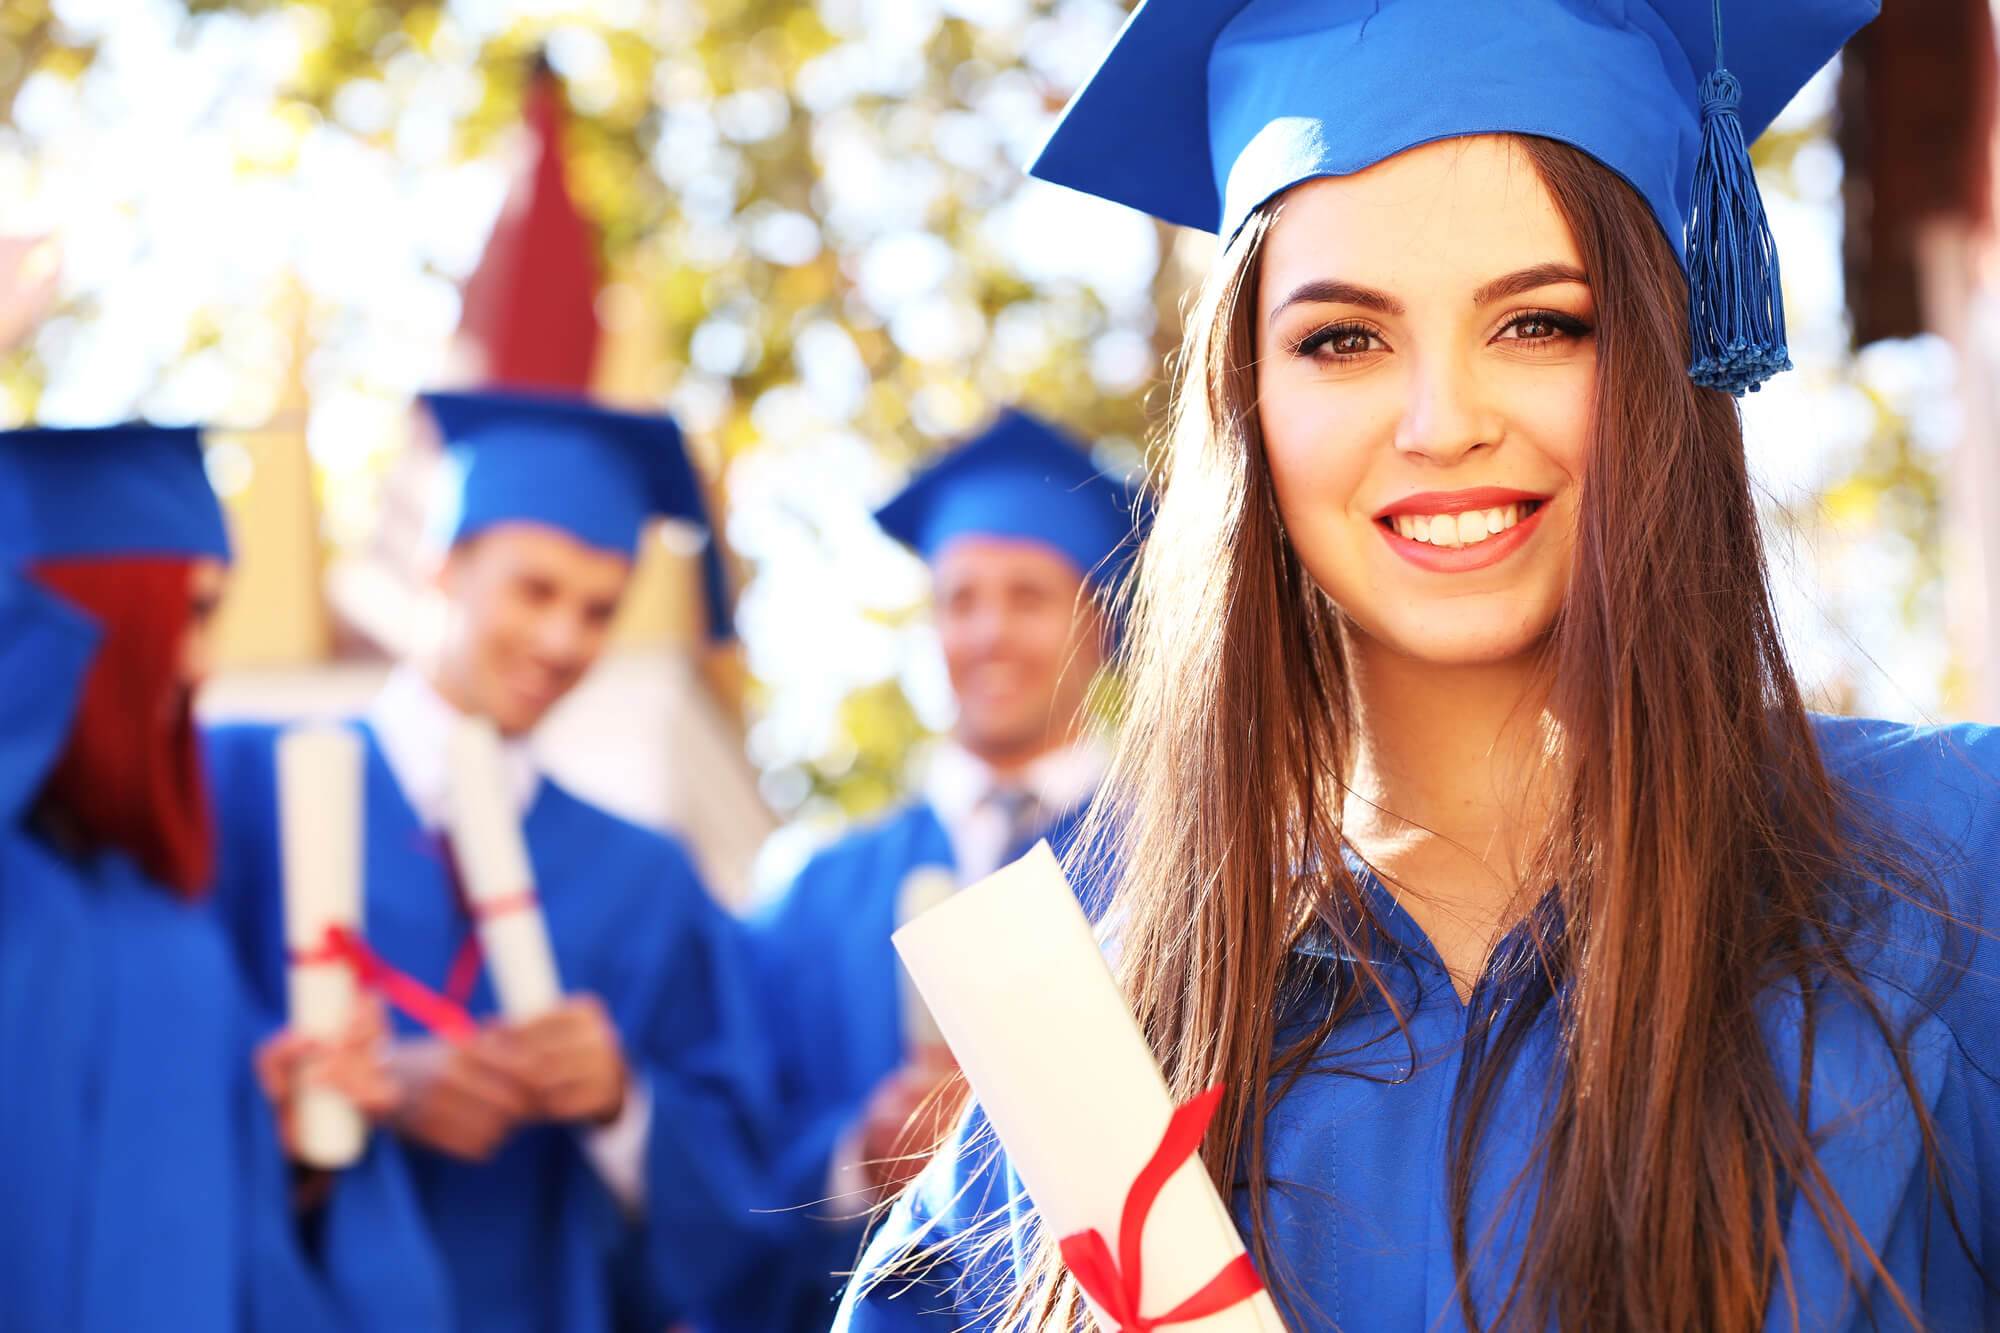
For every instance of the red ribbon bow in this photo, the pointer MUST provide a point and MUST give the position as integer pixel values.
(1116, 1285)
(403, 991)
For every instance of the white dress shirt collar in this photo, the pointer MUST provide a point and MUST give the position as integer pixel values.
(413, 723)
(960, 786)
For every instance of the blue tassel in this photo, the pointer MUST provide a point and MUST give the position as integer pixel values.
(1734, 301)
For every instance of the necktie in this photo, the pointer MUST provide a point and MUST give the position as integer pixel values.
(1021, 816)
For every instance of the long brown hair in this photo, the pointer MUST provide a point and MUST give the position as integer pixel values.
(1706, 857)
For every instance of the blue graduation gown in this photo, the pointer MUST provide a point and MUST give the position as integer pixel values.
(1360, 1212)
(532, 1239)
(142, 1181)
(831, 983)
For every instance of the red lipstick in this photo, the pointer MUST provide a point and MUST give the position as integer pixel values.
(1457, 502)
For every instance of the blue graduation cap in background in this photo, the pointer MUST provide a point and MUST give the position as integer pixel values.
(1023, 479)
(104, 492)
(592, 472)
(1205, 109)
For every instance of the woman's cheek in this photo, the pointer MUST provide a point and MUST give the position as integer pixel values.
(1318, 465)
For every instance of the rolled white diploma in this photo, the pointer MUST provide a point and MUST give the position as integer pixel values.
(922, 889)
(499, 883)
(320, 832)
(1020, 989)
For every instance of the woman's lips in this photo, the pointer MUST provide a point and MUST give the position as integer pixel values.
(1458, 502)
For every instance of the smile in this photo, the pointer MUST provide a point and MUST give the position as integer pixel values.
(1448, 532)
(1467, 528)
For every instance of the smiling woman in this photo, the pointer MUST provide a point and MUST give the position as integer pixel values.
(1559, 969)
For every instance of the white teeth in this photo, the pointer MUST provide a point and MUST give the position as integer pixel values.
(1462, 529)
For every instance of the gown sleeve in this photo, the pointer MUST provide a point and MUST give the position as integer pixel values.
(1967, 1111)
(811, 1019)
(1937, 975)
(686, 1014)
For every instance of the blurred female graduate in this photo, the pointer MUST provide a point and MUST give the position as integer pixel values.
(1561, 970)
(141, 1173)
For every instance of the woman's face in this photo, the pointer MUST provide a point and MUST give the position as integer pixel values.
(1425, 370)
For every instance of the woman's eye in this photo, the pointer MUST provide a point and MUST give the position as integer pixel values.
(1543, 326)
(1340, 340)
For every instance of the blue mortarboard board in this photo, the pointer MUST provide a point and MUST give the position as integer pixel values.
(1205, 109)
(109, 491)
(1024, 480)
(594, 473)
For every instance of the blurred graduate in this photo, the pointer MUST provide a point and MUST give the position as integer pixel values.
(1554, 967)
(1026, 540)
(590, 1168)
(140, 1162)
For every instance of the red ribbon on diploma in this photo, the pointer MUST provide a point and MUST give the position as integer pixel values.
(463, 979)
(1116, 1285)
(401, 990)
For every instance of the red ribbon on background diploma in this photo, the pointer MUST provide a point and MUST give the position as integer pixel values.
(398, 988)
(463, 978)
(1116, 1285)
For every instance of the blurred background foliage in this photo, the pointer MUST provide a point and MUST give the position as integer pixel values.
(815, 214)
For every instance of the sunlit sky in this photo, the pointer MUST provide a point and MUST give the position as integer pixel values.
(186, 199)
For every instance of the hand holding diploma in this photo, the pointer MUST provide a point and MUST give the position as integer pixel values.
(352, 1066)
(572, 1063)
(1018, 986)
(465, 1097)
(462, 1098)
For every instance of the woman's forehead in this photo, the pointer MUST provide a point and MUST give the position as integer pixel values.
(1445, 215)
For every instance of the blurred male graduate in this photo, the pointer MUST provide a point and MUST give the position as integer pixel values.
(1024, 537)
(591, 1168)
(140, 1167)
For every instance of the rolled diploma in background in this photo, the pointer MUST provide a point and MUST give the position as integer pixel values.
(320, 828)
(1019, 988)
(923, 888)
(493, 859)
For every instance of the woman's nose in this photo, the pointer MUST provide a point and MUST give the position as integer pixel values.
(1443, 419)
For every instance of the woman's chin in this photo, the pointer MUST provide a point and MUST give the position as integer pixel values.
(1456, 641)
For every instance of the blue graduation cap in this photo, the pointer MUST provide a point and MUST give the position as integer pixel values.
(103, 492)
(595, 473)
(1021, 478)
(1205, 109)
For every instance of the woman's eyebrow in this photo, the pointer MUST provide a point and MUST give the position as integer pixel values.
(1332, 291)
(1526, 280)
